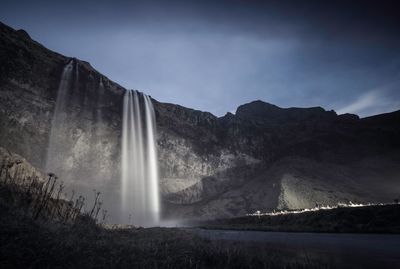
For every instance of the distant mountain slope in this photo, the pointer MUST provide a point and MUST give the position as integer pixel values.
(260, 158)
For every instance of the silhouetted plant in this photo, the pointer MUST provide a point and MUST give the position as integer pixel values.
(57, 203)
(104, 216)
(45, 196)
(96, 201)
(98, 209)
(79, 203)
(70, 209)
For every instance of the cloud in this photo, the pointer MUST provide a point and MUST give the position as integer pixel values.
(216, 55)
(365, 101)
(372, 102)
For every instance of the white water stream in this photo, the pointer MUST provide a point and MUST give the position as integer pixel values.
(139, 188)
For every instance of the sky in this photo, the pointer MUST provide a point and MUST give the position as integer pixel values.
(216, 55)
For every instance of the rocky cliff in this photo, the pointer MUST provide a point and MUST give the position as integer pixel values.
(260, 158)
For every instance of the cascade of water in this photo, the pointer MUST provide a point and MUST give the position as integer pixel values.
(152, 159)
(99, 103)
(139, 188)
(59, 117)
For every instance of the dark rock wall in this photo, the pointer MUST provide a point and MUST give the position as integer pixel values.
(261, 158)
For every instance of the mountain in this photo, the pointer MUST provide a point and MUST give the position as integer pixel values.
(262, 157)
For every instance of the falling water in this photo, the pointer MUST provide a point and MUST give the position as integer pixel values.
(140, 196)
(59, 118)
(99, 103)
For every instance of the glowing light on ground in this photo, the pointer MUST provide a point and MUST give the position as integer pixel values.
(317, 208)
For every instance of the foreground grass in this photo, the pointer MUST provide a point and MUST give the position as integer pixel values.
(46, 243)
(28, 244)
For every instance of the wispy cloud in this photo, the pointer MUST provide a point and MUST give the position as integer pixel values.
(375, 101)
(362, 103)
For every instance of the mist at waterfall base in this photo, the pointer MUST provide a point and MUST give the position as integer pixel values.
(130, 195)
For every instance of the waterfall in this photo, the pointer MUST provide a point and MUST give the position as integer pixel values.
(54, 151)
(99, 105)
(139, 188)
(78, 147)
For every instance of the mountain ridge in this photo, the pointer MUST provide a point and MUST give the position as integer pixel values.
(23, 33)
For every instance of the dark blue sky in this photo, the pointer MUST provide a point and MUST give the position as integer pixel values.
(216, 55)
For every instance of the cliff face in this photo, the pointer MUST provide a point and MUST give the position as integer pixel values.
(261, 158)
(265, 157)
(16, 170)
